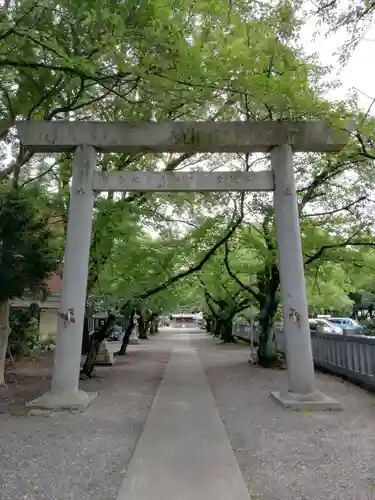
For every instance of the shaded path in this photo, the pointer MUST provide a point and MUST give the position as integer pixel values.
(184, 452)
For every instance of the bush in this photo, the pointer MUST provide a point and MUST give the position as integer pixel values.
(369, 327)
(24, 330)
(28, 249)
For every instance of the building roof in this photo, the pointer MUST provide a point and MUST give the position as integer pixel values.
(51, 301)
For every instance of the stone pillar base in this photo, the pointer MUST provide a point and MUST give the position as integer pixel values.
(78, 400)
(134, 340)
(104, 357)
(305, 402)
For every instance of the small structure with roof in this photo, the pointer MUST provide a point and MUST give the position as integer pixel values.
(49, 306)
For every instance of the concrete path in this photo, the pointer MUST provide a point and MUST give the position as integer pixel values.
(184, 452)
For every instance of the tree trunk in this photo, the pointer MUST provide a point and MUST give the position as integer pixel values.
(216, 327)
(371, 310)
(6, 5)
(147, 327)
(127, 335)
(85, 337)
(95, 340)
(4, 335)
(142, 327)
(226, 331)
(267, 355)
(267, 348)
(154, 325)
(208, 324)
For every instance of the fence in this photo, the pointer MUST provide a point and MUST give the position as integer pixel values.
(352, 356)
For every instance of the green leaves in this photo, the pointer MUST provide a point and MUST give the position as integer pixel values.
(354, 17)
(27, 250)
(183, 60)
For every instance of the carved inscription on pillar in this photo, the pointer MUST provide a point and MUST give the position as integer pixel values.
(183, 181)
(197, 135)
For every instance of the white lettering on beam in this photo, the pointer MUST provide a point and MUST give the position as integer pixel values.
(194, 137)
(183, 181)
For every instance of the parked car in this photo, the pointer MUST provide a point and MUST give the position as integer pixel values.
(320, 325)
(347, 324)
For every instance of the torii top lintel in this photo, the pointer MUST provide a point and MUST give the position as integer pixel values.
(180, 137)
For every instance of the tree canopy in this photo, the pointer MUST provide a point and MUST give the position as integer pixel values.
(28, 254)
(189, 60)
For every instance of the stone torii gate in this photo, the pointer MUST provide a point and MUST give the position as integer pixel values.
(86, 139)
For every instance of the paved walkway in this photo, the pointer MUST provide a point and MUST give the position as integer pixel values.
(184, 417)
(184, 452)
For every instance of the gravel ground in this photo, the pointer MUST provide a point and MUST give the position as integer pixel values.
(292, 455)
(82, 456)
(282, 454)
(26, 379)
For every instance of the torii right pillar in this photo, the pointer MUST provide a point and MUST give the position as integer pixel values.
(301, 393)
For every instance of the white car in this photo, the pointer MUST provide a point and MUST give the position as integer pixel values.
(321, 325)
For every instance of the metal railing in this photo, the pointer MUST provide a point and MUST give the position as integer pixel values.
(352, 356)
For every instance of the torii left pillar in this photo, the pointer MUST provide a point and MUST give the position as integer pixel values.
(64, 392)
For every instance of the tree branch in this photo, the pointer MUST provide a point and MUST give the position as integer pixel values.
(346, 207)
(23, 157)
(248, 288)
(192, 269)
(242, 307)
(364, 152)
(230, 295)
(98, 77)
(209, 296)
(209, 305)
(346, 243)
